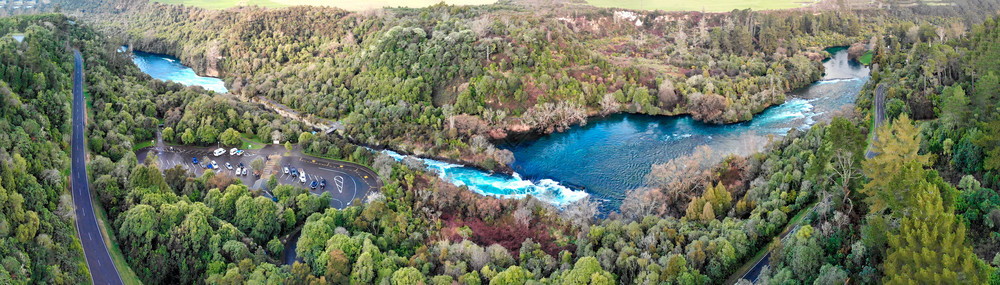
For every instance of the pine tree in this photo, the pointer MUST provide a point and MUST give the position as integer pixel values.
(707, 214)
(954, 107)
(930, 247)
(895, 168)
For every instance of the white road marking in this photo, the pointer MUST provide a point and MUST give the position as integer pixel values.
(90, 235)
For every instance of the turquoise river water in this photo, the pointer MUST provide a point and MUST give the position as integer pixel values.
(611, 155)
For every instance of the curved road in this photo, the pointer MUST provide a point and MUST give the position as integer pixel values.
(102, 268)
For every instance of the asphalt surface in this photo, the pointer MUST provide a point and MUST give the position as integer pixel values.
(879, 118)
(345, 181)
(753, 274)
(102, 268)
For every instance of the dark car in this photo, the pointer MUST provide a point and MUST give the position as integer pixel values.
(194, 160)
(313, 184)
(322, 183)
(295, 172)
(241, 165)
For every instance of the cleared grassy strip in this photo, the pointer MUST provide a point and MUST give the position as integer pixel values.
(128, 276)
(249, 143)
(866, 58)
(141, 145)
(709, 6)
(344, 4)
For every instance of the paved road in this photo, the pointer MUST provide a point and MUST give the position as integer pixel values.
(102, 269)
(753, 274)
(879, 110)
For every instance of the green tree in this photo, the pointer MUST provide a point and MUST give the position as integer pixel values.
(513, 275)
(207, 134)
(954, 107)
(305, 138)
(990, 142)
(187, 137)
(407, 276)
(930, 247)
(288, 146)
(587, 271)
(257, 163)
(168, 134)
(230, 137)
(986, 87)
(364, 269)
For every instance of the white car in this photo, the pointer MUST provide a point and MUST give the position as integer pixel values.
(219, 151)
(213, 165)
(302, 177)
(285, 169)
(233, 151)
(244, 172)
(229, 166)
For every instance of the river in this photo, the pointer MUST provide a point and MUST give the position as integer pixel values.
(168, 68)
(611, 155)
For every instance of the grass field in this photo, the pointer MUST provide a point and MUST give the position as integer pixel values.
(141, 145)
(866, 58)
(355, 5)
(709, 6)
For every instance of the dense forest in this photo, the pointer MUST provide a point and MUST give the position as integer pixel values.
(38, 241)
(441, 79)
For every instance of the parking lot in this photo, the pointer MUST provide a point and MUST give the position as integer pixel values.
(345, 181)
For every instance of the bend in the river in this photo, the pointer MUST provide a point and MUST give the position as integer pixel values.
(610, 156)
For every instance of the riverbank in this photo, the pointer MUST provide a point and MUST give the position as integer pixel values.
(611, 155)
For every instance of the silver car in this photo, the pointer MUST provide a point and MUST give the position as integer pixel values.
(302, 177)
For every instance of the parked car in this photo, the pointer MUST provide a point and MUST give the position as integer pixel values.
(285, 169)
(239, 152)
(194, 160)
(244, 171)
(213, 165)
(233, 151)
(322, 183)
(202, 165)
(295, 172)
(241, 165)
(302, 177)
(219, 151)
(229, 166)
(313, 184)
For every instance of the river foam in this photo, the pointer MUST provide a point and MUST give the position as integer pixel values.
(499, 185)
